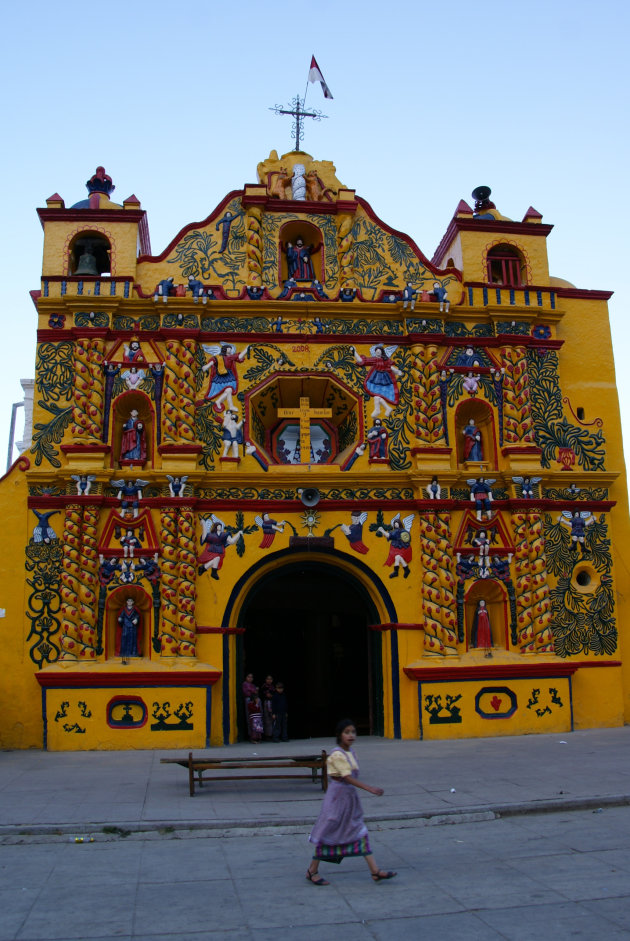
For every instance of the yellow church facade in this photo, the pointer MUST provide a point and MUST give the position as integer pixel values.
(291, 444)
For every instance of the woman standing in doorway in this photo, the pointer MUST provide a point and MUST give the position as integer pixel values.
(250, 690)
(340, 829)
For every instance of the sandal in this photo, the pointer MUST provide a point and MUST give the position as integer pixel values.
(312, 877)
(380, 875)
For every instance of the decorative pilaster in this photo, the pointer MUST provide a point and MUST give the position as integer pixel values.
(426, 395)
(345, 251)
(254, 245)
(533, 605)
(169, 627)
(187, 591)
(438, 598)
(518, 426)
(87, 408)
(178, 420)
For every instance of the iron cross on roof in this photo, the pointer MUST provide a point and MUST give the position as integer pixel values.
(298, 112)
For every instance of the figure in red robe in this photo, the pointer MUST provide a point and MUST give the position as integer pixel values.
(133, 446)
(481, 634)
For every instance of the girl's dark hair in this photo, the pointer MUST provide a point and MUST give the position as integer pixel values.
(339, 728)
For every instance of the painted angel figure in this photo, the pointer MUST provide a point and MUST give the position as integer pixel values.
(176, 485)
(214, 539)
(130, 493)
(399, 538)
(133, 377)
(380, 382)
(44, 532)
(577, 521)
(269, 529)
(223, 376)
(526, 485)
(481, 495)
(83, 482)
(354, 531)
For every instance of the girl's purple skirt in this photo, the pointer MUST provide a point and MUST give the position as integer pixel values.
(340, 829)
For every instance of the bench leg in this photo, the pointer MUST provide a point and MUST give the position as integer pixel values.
(191, 775)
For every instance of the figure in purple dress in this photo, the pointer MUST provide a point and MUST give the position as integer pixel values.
(340, 829)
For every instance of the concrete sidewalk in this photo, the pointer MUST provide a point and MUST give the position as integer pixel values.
(65, 792)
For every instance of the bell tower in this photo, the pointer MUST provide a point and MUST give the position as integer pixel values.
(90, 248)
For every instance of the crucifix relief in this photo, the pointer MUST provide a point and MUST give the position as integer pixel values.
(305, 414)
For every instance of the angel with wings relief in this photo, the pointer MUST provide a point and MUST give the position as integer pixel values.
(269, 529)
(223, 376)
(577, 521)
(380, 382)
(399, 538)
(215, 539)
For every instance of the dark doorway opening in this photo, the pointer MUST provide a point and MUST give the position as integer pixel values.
(307, 624)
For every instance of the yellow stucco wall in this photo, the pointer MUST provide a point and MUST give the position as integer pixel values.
(61, 688)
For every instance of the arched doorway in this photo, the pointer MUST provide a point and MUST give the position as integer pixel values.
(307, 624)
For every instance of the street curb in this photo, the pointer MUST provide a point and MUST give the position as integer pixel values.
(472, 814)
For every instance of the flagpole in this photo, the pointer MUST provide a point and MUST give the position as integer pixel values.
(307, 84)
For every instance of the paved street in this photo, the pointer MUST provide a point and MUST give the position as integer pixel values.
(526, 878)
(516, 838)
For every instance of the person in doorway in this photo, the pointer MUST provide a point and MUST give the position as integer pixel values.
(280, 714)
(340, 829)
(267, 690)
(249, 689)
(254, 719)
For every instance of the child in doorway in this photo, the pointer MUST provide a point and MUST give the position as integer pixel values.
(254, 712)
(279, 710)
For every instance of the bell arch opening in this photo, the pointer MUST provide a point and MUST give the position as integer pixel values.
(307, 623)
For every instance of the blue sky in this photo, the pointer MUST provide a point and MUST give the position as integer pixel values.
(429, 102)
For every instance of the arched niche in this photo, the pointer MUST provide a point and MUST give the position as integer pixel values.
(495, 597)
(474, 413)
(129, 428)
(89, 255)
(116, 603)
(311, 237)
(506, 265)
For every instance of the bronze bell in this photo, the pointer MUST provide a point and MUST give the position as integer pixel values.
(87, 263)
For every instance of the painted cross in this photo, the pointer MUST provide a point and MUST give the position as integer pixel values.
(305, 414)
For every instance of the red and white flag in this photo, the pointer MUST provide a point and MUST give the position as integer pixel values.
(315, 75)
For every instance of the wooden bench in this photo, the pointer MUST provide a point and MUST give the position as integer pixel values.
(199, 765)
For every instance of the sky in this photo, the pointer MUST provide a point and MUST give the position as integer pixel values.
(429, 102)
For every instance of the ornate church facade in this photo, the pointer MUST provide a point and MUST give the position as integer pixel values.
(292, 444)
